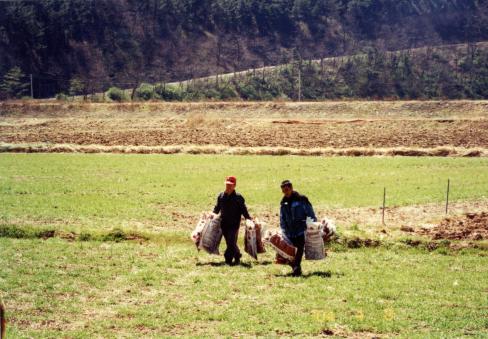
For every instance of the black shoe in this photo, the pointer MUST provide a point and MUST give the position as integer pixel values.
(297, 272)
(237, 259)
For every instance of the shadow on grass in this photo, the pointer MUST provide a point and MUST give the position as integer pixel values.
(320, 274)
(222, 263)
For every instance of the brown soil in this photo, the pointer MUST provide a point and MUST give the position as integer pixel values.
(308, 125)
(247, 133)
(470, 226)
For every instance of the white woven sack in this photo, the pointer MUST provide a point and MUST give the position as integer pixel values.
(251, 247)
(314, 244)
(196, 235)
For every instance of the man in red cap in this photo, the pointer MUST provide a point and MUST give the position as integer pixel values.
(232, 206)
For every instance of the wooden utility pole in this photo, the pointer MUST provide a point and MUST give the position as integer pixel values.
(32, 86)
(299, 84)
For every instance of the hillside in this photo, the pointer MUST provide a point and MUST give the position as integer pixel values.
(127, 42)
(450, 71)
(457, 71)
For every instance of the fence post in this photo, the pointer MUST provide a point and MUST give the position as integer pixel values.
(383, 209)
(447, 194)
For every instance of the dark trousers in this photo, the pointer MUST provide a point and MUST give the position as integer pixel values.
(299, 243)
(230, 235)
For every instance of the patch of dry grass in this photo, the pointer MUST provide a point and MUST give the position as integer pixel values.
(218, 149)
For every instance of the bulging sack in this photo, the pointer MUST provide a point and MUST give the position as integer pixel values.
(196, 235)
(250, 239)
(281, 246)
(279, 260)
(314, 243)
(208, 234)
(316, 235)
(253, 243)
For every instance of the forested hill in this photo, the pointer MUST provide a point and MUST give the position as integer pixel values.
(125, 41)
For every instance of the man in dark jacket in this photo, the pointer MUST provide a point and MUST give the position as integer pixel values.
(232, 206)
(294, 210)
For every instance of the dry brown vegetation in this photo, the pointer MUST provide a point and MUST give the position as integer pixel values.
(212, 149)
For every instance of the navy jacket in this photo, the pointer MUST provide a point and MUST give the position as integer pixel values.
(293, 215)
(231, 207)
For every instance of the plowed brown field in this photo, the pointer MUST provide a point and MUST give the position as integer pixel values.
(417, 124)
(337, 134)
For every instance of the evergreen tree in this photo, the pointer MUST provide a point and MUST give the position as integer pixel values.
(76, 87)
(14, 83)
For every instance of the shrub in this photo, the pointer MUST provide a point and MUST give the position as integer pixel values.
(212, 93)
(96, 98)
(85, 236)
(62, 97)
(194, 94)
(116, 94)
(256, 88)
(169, 93)
(11, 231)
(145, 92)
(115, 235)
(227, 92)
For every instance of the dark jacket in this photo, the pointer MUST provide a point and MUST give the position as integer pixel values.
(293, 215)
(231, 207)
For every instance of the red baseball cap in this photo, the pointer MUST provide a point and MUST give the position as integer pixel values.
(231, 180)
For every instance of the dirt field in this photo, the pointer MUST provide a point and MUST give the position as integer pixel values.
(336, 134)
(472, 226)
(336, 125)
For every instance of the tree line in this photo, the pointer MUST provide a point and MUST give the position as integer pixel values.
(166, 40)
(454, 72)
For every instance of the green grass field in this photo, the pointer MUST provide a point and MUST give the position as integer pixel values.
(145, 191)
(162, 287)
